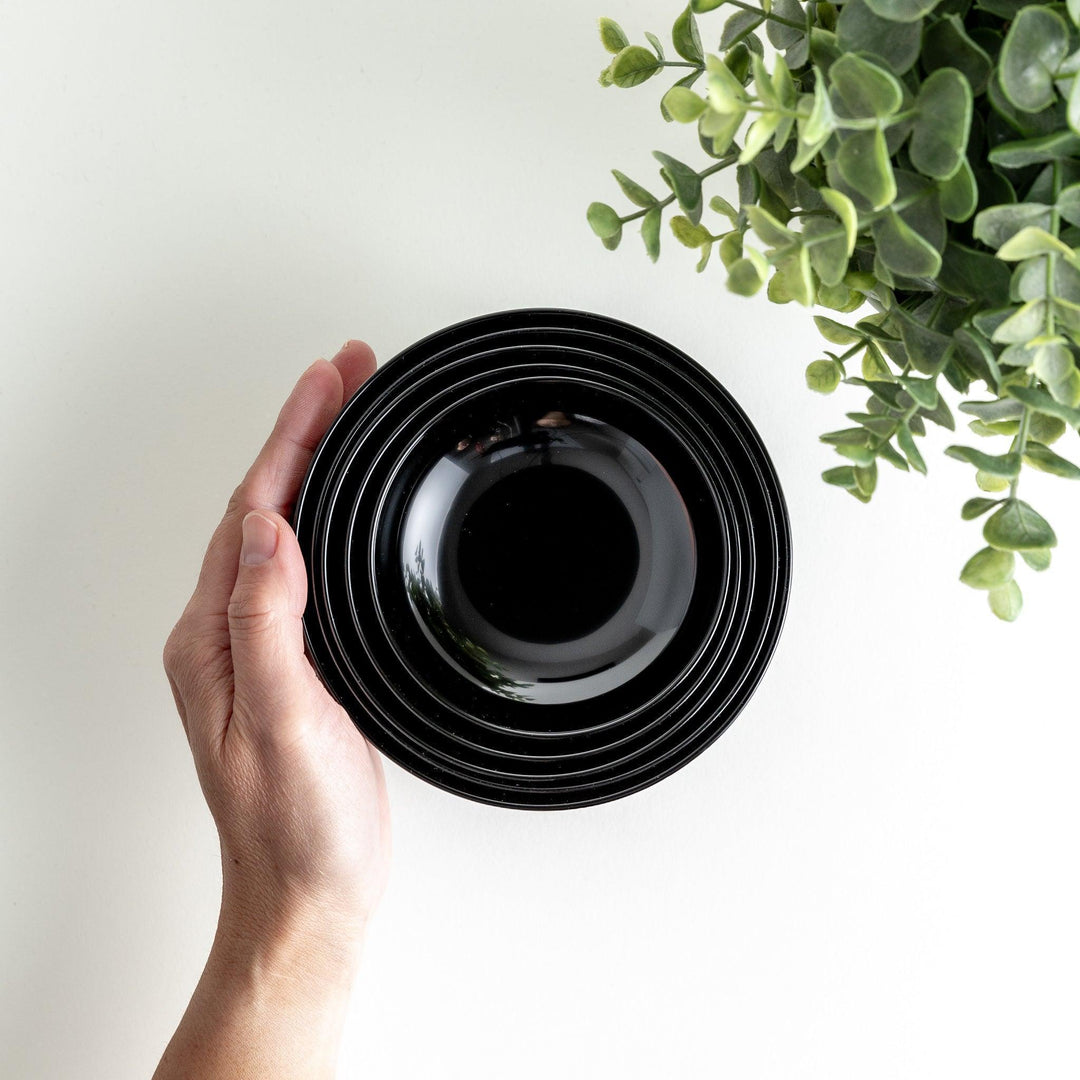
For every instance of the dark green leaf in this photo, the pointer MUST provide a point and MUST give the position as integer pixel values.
(996, 224)
(939, 137)
(926, 348)
(1045, 404)
(902, 249)
(863, 162)
(841, 476)
(859, 29)
(906, 443)
(1034, 46)
(974, 508)
(947, 44)
(684, 182)
(860, 88)
(974, 275)
(902, 10)
(1006, 466)
(685, 37)
(738, 26)
(1042, 457)
(1017, 527)
(1015, 155)
(959, 194)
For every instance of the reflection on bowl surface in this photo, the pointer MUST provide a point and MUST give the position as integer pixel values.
(549, 558)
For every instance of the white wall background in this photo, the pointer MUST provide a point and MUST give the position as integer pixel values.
(872, 874)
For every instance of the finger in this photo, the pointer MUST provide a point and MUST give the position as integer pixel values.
(274, 686)
(273, 480)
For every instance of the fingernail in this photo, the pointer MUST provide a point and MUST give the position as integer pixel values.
(260, 539)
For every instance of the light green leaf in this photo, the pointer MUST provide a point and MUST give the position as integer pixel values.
(612, 36)
(836, 332)
(1039, 559)
(822, 120)
(1017, 527)
(844, 209)
(650, 232)
(1006, 601)
(793, 280)
(823, 376)
(746, 275)
(1023, 325)
(603, 220)
(1030, 241)
(633, 191)
(688, 234)
(684, 105)
(633, 65)
(654, 41)
(988, 568)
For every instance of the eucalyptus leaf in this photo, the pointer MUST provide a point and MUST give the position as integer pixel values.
(860, 29)
(1015, 526)
(940, 134)
(685, 37)
(988, 568)
(1006, 601)
(633, 66)
(1034, 46)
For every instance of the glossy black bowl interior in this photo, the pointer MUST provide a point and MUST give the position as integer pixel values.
(548, 558)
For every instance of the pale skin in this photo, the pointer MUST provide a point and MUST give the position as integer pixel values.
(297, 793)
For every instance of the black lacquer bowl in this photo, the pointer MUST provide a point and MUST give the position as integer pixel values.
(548, 558)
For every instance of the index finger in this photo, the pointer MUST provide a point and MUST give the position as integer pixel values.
(273, 481)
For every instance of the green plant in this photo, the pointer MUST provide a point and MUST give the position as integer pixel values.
(919, 156)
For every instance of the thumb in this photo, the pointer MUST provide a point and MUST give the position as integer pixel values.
(272, 679)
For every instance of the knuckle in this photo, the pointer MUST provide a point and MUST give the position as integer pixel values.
(250, 615)
(238, 499)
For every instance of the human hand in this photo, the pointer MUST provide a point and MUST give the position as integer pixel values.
(296, 791)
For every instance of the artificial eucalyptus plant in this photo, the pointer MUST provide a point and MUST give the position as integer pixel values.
(919, 156)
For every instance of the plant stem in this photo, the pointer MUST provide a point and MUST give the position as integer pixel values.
(768, 15)
(1020, 443)
(723, 163)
